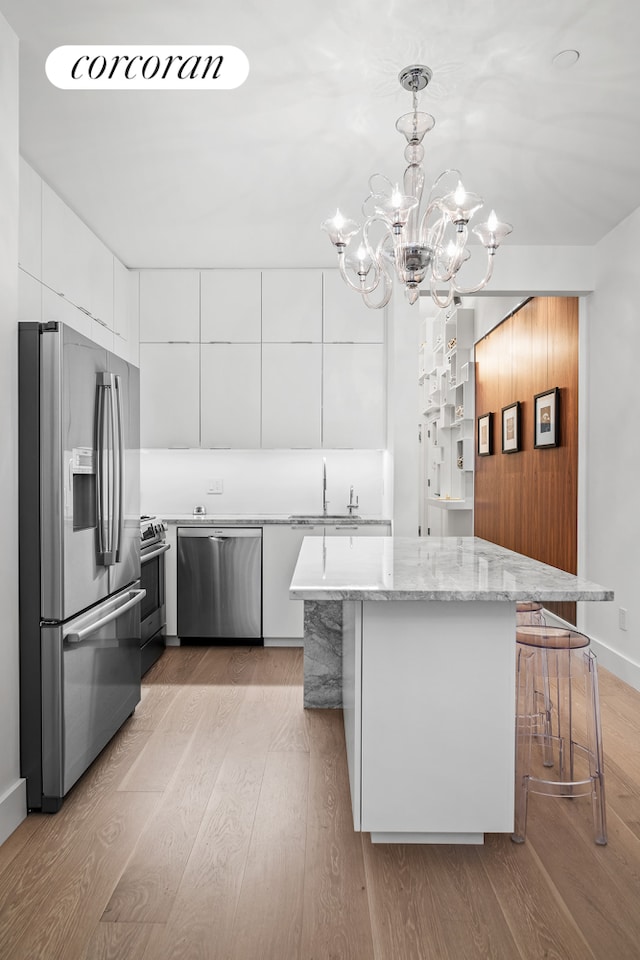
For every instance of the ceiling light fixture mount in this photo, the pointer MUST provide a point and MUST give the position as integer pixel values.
(396, 237)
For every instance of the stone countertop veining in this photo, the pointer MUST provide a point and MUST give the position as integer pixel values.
(429, 568)
(252, 520)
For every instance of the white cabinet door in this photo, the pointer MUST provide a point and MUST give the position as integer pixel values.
(292, 306)
(169, 395)
(121, 305)
(171, 581)
(169, 306)
(230, 395)
(282, 618)
(29, 298)
(55, 307)
(75, 263)
(346, 318)
(30, 242)
(354, 395)
(291, 394)
(230, 306)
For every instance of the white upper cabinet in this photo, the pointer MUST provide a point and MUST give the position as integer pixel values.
(230, 309)
(292, 306)
(75, 263)
(354, 395)
(29, 298)
(169, 306)
(346, 318)
(30, 242)
(169, 395)
(230, 395)
(291, 395)
(125, 312)
(121, 300)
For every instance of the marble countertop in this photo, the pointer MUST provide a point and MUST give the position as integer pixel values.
(251, 520)
(429, 568)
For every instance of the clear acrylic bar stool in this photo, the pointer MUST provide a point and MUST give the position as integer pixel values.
(559, 736)
(529, 612)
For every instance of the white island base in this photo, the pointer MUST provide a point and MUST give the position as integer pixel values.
(428, 701)
(428, 675)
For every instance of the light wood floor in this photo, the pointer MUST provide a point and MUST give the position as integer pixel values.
(217, 824)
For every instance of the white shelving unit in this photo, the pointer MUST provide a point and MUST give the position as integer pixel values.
(446, 382)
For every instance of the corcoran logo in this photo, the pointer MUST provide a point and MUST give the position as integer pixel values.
(147, 67)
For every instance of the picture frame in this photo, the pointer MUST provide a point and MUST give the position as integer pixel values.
(511, 428)
(485, 435)
(546, 407)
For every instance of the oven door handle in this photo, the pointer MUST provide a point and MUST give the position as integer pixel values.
(155, 553)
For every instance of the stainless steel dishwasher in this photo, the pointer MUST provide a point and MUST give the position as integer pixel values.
(220, 583)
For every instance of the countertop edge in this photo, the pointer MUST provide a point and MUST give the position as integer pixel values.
(319, 594)
(250, 521)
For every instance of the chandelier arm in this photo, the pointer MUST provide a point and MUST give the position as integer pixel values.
(441, 176)
(467, 291)
(388, 290)
(443, 304)
(358, 287)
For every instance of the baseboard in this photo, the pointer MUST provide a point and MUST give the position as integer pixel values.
(612, 660)
(172, 641)
(283, 642)
(13, 808)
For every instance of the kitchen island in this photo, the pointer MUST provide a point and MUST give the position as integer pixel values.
(427, 675)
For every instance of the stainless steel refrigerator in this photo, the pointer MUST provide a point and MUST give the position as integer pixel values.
(79, 554)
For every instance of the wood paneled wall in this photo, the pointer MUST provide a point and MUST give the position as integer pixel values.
(528, 501)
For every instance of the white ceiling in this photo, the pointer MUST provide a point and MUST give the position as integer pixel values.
(244, 177)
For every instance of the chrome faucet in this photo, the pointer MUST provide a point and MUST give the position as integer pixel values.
(324, 487)
(353, 504)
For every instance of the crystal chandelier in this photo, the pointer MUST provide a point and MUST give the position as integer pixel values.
(397, 236)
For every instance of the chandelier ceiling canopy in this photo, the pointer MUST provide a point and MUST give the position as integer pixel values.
(397, 236)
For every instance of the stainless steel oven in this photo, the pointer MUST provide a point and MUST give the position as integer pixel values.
(153, 547)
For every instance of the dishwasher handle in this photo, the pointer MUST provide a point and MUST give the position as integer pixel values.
(215, 533)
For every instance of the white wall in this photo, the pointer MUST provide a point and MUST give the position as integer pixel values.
(402, 463)
(612, 449)
(260, 482)
(12, 795)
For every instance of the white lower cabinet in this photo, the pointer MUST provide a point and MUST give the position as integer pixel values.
(171, 581)
(230, 395)
(283, 618)
(291, 395)
(169, 395)
(357, 530)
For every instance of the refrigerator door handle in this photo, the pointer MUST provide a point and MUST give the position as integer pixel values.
(118, 443)
(108, 494)
(100, 493)
(114, 611)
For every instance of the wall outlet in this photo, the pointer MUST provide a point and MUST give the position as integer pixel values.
(215, 486)
(622, 618)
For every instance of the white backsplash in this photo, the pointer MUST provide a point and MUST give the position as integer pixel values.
(261, 482)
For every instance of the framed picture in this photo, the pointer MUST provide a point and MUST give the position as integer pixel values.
(485, 435)
(511, 428)
(545, 418)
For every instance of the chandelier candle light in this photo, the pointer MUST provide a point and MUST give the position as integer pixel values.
(396, 235)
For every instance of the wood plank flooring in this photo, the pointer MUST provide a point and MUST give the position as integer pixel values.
(216, 826)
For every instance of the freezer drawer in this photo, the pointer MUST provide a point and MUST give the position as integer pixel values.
(220, 583)
(90, 685)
